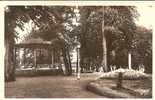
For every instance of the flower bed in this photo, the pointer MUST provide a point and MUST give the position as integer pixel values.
(135, 84)
(126, 74)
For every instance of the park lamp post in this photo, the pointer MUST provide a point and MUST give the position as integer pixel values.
(78, 61)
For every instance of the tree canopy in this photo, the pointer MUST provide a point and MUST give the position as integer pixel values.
(119, 29)
(91, 26)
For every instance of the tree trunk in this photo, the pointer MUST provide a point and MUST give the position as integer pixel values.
(84, 17)
(104, 44)
(67, 62)
(77, 63)
(108, 57)
(9, 62)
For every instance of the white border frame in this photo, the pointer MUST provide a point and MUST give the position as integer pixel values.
(66, 3)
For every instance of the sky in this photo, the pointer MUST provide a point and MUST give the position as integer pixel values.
(147, 16)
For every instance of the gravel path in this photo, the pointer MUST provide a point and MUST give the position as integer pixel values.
(51, 87)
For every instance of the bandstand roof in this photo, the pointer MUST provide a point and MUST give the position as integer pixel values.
(34, 43)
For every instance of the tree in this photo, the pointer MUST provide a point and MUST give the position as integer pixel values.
(54, 23)
(10, 23)
(90, 32)
(115, 24)
(48, 22)
(122, 20)
(143, 47)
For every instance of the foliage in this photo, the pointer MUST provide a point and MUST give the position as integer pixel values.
(55, 24)
(119, 29)
(143, 48)
(49, 23)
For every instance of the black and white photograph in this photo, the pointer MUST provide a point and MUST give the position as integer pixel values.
(78, 51)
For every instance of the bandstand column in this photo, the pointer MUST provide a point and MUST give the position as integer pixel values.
(52, 58)
(35, 58)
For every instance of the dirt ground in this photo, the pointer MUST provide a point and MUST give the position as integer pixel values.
(51, 87)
